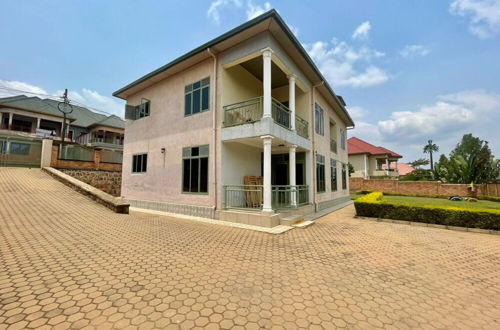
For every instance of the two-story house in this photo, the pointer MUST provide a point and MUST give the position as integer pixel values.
(370, 161)
(243, 128)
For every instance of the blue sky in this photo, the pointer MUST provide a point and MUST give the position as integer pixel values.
(409, 70)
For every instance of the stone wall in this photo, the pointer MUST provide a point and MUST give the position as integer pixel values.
(423, 188)
(107, 181)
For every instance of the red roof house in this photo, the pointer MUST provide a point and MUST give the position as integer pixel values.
(369, 160)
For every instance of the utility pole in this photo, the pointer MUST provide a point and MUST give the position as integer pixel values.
(66, 108)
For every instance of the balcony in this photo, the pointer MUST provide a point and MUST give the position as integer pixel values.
(251, 111)
(250, 197)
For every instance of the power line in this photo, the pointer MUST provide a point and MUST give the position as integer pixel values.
(58, 97)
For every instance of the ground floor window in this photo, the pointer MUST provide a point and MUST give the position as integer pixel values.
(344, 176)
(139, 163)
(19, 148)
(195, 169)
(320, 173)
(333, 174)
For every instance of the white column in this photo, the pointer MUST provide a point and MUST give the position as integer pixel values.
(38, 120)
(387, 164)
(267, 207)
(293, 177)
(11, 117)
(291, 100)
(266, 81)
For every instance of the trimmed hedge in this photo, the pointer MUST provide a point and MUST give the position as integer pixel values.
(490, 198)
(373, 205)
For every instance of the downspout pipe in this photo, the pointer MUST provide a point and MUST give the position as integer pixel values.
(214, 128)
(313, 104)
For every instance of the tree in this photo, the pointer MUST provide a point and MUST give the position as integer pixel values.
(351, 169)
(429, 149)
(470, 162)
(416, 164)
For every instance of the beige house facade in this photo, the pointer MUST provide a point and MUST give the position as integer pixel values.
(371, 162)
(244, 128)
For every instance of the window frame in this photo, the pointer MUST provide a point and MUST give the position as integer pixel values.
(199, 157)
(19, 153)
(343, 138)
(141, 155)
(320, 166)
(190, 89)
(143, 109)
(333, 174)
(319, 120)
(344, 176)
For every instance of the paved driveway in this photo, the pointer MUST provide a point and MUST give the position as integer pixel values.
(69, 262)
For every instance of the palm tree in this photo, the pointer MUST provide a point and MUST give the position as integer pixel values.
(430, 148)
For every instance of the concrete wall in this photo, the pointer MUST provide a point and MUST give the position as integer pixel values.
(168, 128)
(239, 161)
(358, 162)
(79, 164)
(422, 188)
(107, 181)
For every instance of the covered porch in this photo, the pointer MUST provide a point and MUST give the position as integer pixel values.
(265, 174)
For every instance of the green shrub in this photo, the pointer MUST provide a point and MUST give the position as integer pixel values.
(490, 198)
(373, 205)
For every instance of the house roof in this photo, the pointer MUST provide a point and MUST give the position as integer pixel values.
(80, 116)
(271, 21)
(357, 146)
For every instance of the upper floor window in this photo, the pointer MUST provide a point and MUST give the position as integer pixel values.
(195, 169)
(196, 97)
(342, 138)
(140, 111)
(139, 163)
(319, 120)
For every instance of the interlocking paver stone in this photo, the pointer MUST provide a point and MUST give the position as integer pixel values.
(68, 262)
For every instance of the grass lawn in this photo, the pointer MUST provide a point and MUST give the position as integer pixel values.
(482, 204)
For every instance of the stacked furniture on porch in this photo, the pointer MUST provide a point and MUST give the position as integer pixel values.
(254, 196)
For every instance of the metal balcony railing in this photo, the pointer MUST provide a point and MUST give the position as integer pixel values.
(251, 196)
(250, 111)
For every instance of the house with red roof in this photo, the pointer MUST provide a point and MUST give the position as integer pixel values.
(371, 161)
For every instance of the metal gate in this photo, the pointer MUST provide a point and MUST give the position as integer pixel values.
(20, 152)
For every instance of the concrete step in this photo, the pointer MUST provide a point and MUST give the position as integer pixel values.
(304, 224)
(292, 220)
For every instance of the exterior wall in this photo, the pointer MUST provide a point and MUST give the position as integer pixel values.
(166, 127)
(322, 146)
(358, 162)
(239, 161)
(422, 188)
(107, 181)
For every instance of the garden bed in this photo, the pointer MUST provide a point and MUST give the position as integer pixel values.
(482, 214)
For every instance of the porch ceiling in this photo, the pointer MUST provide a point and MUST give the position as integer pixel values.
(278, 146)
(255, 67)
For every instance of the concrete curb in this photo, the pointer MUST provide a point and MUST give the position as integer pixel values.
(319, 214)
(114, 203)
(433, 225)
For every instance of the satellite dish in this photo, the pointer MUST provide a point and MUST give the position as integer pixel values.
(65, 108)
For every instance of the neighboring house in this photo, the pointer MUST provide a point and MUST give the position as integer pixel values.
(370, 161)
(402, 168)
(245, 121)
(25, 116)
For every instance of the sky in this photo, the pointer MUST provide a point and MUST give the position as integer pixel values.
(409, 71)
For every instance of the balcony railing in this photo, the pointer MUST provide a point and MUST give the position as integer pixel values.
(18, 128)
(250, 111)
(333, 146)
(251, 196)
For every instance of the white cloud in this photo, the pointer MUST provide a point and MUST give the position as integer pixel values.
(20, 86)
(344, 65)
(356, 112)
(484, 16)
(256, 10)
(85, 97)
(414, 50)
(215, 6)
(362, 31)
